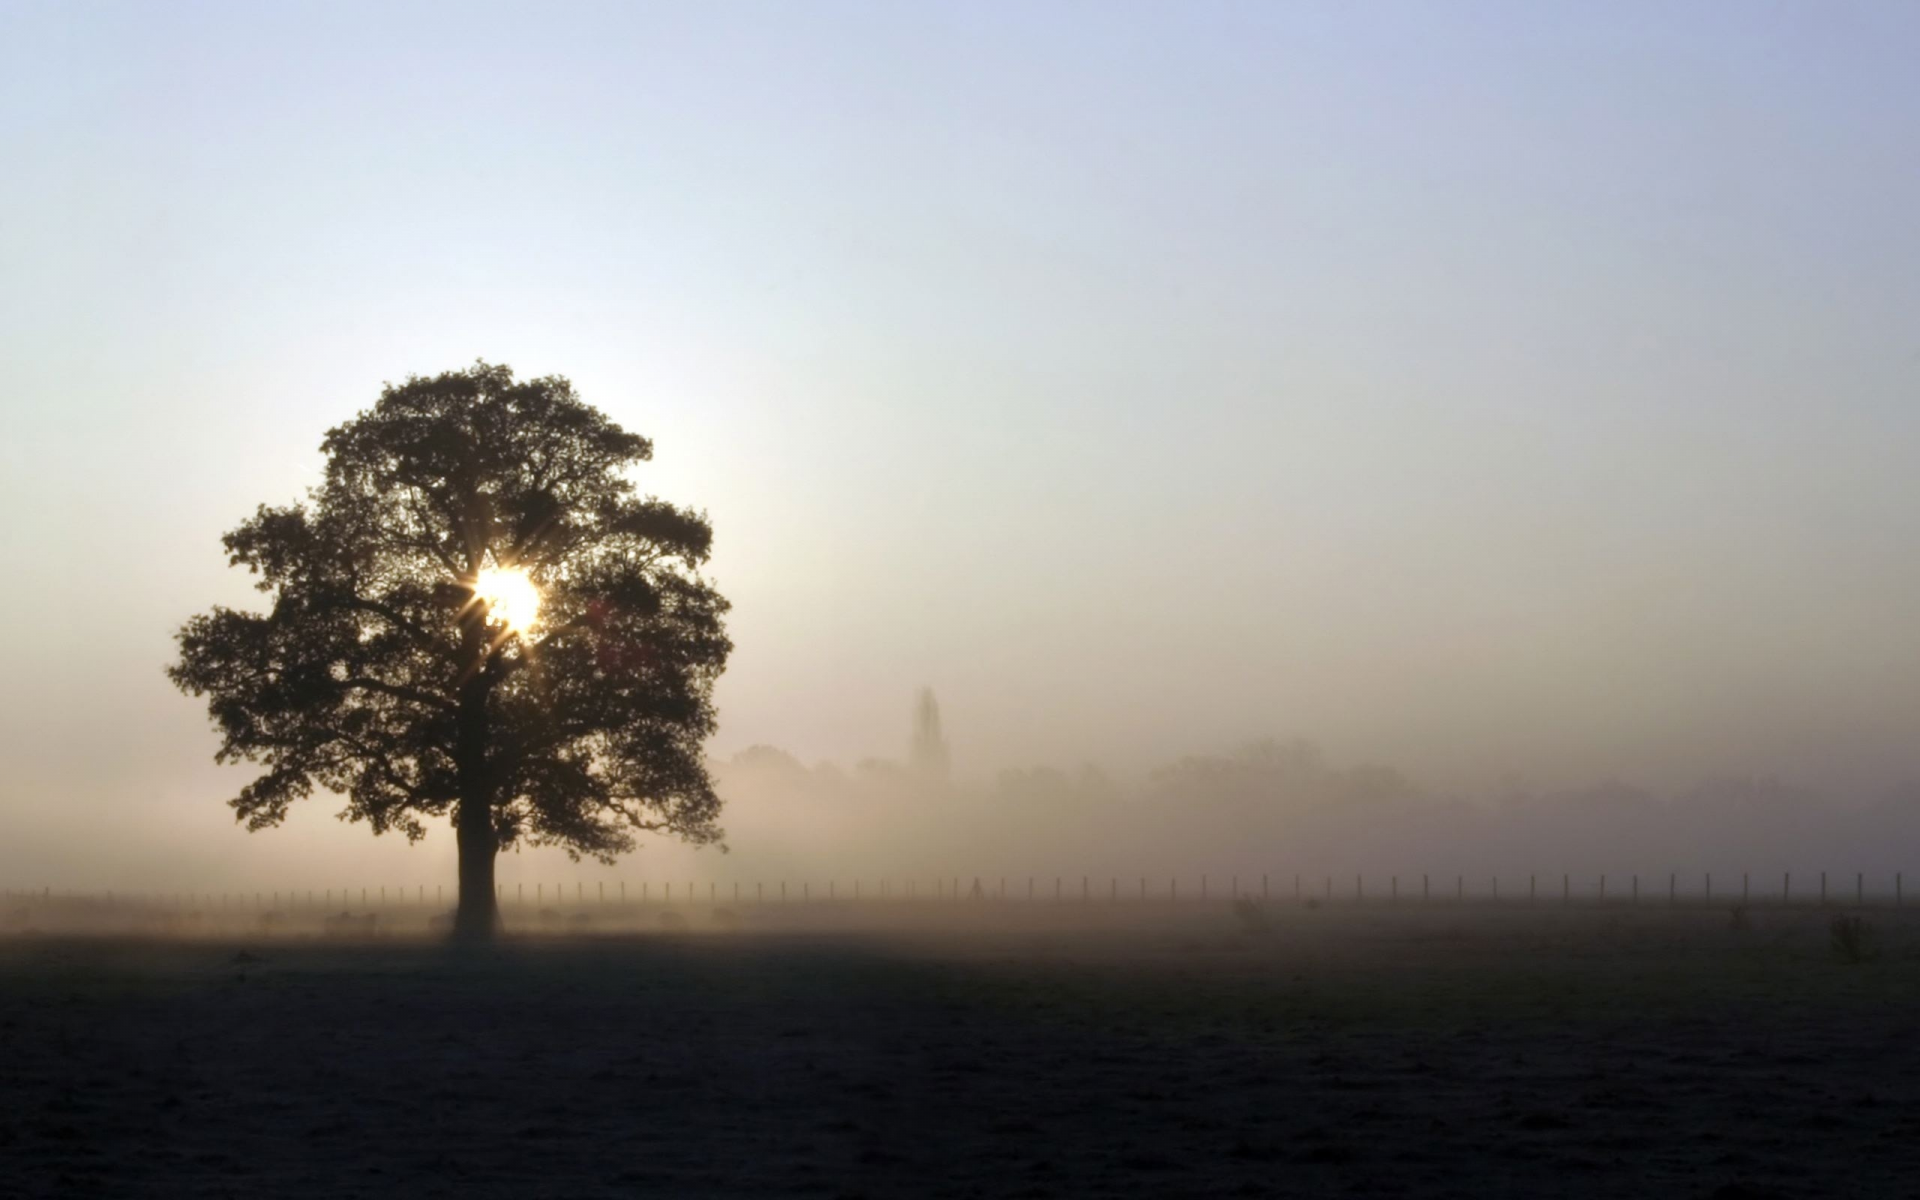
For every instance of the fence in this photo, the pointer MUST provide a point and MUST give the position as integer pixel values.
(1300, 887)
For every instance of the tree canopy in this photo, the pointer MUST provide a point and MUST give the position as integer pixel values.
(387, 670)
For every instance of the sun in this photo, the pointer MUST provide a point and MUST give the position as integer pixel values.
(510, 597)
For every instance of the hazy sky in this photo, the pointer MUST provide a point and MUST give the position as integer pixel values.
(1480, 388)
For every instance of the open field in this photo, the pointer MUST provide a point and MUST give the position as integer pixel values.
(1043, 1051)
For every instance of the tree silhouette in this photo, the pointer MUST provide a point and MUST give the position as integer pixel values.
(400, 663)
(927, 752)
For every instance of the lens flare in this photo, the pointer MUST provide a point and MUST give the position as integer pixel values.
(510, 597)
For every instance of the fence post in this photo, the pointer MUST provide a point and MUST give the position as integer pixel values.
(1356, 885)
(1786, 886)
(1603, 889)
(1393, 890)
(1203, 886)
(1426, 888)
(1566, 889)
(1673, 888)
(1859, 887)
(1709, 887)
(1113, 889)
(1459, 888)
(1636, 889)
(1823, 889)
(1296, 885)
(1083, 889)
(1496, 888)
(1897, 898)
(1328, 888)
(1263, 885)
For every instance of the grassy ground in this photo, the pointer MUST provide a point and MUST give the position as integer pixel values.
(1375, 1052)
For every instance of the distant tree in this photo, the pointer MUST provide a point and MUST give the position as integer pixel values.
(771, 760)
(927, 752)
(474, 615)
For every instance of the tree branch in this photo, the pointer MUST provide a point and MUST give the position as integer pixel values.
(401, 692)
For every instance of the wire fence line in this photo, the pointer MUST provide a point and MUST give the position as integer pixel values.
(1671, 889)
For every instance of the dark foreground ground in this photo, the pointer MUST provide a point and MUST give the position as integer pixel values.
(1383, 1053)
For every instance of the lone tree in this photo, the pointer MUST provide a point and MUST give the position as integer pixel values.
(474, 614)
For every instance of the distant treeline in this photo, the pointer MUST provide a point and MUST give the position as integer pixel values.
(1281, 806)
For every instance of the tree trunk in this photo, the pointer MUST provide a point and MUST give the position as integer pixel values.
(477, 918)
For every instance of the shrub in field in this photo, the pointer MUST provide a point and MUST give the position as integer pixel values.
(1852, 939)
(1253, 916)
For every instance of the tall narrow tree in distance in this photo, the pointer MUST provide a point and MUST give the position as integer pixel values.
(474, 615)
(927, 753)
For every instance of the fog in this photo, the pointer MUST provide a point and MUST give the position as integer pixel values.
(1284, 813)
(1516, 405)
(1278, 815)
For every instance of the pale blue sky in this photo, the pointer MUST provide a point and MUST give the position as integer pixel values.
(1481, 388)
